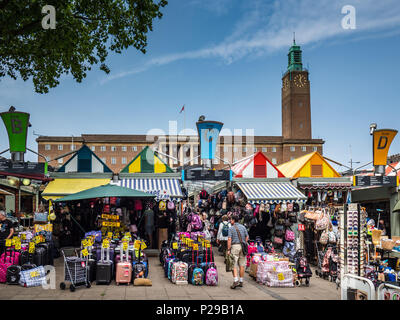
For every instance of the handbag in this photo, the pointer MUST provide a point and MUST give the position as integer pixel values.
(245, 248)
(278, 240)
(323, 222)
(230, 261)
(324, 237)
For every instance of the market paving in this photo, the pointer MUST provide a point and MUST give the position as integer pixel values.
(163, 289)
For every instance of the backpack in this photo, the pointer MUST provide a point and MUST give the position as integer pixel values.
(225, 229)
(171, 205)
(198, 276)
(138, 205)
(289, 235)
(212, 277)
(162, 206)
(289, 250)
(203, 194)
(196, 223)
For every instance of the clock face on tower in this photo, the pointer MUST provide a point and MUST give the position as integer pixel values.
(300, 80)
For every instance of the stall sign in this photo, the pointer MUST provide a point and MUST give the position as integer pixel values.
(8, 243)
(301, 227)
(17, 128)
(31, 247)
(372, 181)
(175, 245)
(110, 216)
(382, 139)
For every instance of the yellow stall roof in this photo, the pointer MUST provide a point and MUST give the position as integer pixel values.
(62, 187)
(301, 167)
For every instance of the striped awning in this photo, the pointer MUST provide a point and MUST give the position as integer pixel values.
(167, 189)
(270, 192)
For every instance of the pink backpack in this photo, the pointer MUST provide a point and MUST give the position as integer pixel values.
(138, 205)
(252, 248)
(211, 276)
(289, 235)
(171, 205)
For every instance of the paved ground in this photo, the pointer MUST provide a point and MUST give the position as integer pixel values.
(163, 289)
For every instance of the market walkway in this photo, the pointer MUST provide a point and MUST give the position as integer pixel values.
(163, 289)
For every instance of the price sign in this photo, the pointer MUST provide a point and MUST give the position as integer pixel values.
(125, 245)
(85, 252)
(18, 246)
(105, 244)
(8, 243)
(143, 245)
(34, 274)
(195, 247)
(175, 245)
(136, 245)
(109, 235)
(23, 236)
(301, 227)
(208, 245)
(31, 247)
(84, 243)
(281, 277)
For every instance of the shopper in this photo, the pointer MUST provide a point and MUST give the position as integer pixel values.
(222, 235)
(6, 230)
(236, 235)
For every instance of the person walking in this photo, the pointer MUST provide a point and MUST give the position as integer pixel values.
(237, 235)
(222, 235)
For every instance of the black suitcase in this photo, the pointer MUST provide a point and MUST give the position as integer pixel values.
(104, 268)
(25, 257)
(92, 270)
(13, 274)
(40, 256)
(48, 246)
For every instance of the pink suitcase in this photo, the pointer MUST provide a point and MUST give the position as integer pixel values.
(124, 269)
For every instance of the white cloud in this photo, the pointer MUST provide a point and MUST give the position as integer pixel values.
(267, 26)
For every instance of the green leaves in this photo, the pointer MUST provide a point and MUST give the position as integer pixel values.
(86, 31)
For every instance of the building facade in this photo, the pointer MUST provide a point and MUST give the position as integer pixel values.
(296, 140)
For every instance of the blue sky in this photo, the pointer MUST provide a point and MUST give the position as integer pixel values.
(224, 59)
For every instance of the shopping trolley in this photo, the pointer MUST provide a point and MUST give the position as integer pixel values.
(75, 271)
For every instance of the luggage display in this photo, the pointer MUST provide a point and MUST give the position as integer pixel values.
(13, 274)
(195, 273)
(140, 267)
(48, 246)
(33, 277)
(211, 273)
(124, 268)
(92, 270)
(104, 268)
(12, 255)
(40, 256)
(179, 273)
(7, 259)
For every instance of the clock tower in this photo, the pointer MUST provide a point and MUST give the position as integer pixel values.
(296, 108)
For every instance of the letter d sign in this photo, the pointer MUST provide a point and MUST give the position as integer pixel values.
(382, 141)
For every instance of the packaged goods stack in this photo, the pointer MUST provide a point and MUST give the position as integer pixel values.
(189, 259)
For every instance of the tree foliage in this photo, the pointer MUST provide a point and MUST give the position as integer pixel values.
(86, 31)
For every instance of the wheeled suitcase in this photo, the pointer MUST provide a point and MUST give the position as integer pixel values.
(140, 268)
(104, 268)
(92, 270)
(13, 274)
(40, 256)
(48, 246)
(124, 268)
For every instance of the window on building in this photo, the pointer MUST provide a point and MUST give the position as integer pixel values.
(113, 148)
(274, 161)
(165, 149)
(123, 161)
(104, 160)
(292, 149)
(292, 158)
(235, 149)
(264, 149)
(60, 161)
(300, 104)
(316, 170)
(196, 161)
(273, 149)
(93, 148)
(113, 160)
(60, 147)
(124, 148)
(315, 149)
(73, 147)
(134, 148)
(47, 147)
(304, 149)
(301, 125)
(255, 149)
(103, 148)
(244, 149)
(225, 149)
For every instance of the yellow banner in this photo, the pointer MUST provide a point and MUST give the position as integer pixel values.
(382, 141)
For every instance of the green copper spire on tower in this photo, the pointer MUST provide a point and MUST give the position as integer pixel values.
(295, 60)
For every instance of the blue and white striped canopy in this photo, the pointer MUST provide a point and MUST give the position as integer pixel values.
(163, 189)
(269, 192)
